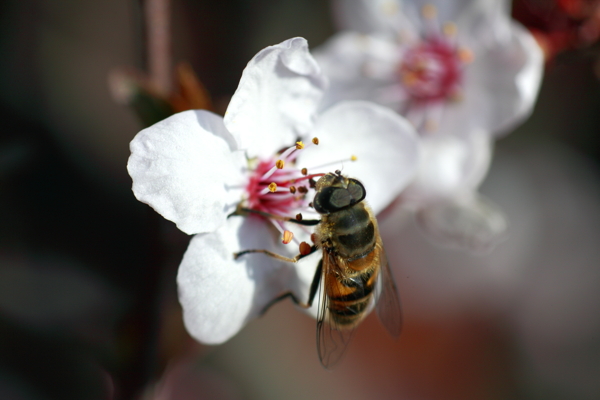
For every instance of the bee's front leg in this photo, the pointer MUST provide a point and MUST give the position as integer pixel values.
(297, 220)
(300, 256)
(311, 295)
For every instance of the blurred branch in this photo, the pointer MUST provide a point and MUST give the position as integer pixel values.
(158, 30)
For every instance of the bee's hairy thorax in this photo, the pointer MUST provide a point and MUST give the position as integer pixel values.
(349, 234)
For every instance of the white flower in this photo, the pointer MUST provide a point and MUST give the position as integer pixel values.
(195, 168)
(462, 72)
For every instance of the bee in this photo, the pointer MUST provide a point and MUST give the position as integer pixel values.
(353, 274)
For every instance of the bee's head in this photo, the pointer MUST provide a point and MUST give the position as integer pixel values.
(336, 192)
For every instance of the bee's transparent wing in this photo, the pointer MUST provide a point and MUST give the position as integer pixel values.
(332, 340)
(388, 306)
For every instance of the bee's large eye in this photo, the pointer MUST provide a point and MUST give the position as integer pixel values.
(356, 190)
(332, 199)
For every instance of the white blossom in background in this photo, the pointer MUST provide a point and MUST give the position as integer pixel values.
(195, 168)
(462, 72)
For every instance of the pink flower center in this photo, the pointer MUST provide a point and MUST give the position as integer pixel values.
(432, 70)
(276, 186)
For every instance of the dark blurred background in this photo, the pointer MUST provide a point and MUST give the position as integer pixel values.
(88, 306)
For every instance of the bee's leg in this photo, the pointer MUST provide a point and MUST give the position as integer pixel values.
(311, 295)
(299, 221)
(313, 248)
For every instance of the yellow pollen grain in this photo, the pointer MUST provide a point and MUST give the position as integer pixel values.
(315, 140)
(390, 8)
(299, 145)
(429, 11)
(353, 158)
(280, 164)
(450, 29)
(409, 79)
(272, 187)
(287, 237)
(465, 55)
(431, 125)
(456, 96)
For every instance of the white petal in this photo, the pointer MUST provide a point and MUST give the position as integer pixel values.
(372, 16)
(481, 22)
(182, 167)
(500, 86)
(385, 144)
(276, 99)
(359, 67)
(470, 223)
(219, 295)
(450, 165)
(474, 18)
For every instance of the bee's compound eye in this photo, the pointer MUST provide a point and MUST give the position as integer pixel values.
(356, 190)
(322, 201)
(340, 198)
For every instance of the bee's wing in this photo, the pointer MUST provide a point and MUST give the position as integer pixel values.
(388, 306)
(332, 340)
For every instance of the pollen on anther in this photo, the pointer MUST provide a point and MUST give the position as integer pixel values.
(287, 237)
(272, 187)
(292, 189)
(465, 55)
(302, 189)
(299, 145)
(450, 29)
(315, 140)
(299, 217)
(429, 11)
(353, 158)
(304, 248)
(304, 171)
(280, 164)
(313, 238)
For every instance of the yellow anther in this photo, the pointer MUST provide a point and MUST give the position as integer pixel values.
(390, 8)
(431, 125)
(465, 55)
(429, 11)
(280, 164)
(272, 187)
(299, 145)
(456, 95)
(304, 171)
(287, 237)
(409, 78)
(450, 29)
(315, 140)
(353, 158)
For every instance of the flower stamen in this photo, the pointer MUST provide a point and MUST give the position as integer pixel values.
(287, 236)
(305, 248)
